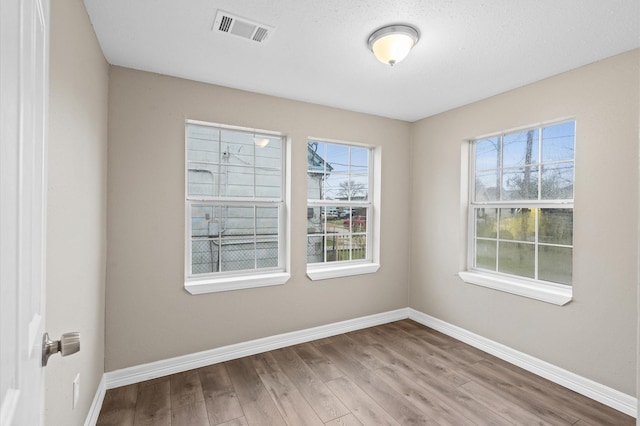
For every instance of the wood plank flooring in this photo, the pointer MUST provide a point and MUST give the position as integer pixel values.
(400, 373)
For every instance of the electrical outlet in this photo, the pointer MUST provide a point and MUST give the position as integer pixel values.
(76, 390)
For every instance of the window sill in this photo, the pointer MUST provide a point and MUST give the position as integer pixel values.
(555, 294)
(325, 272)
(214, 285)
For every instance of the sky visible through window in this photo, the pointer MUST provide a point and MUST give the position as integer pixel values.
(345, 169)
(557, 145)
(522, 205)
(530, 164)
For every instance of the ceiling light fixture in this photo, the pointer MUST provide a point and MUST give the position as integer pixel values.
(392, 44)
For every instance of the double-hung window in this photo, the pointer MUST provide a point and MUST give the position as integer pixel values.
(234, 208)
(339, 209)
(521, 212)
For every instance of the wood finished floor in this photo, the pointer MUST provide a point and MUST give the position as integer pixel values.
(395, 374)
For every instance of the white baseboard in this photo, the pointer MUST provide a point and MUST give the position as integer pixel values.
(596, 391)
(139, 373)
(126, 376)
(96, 405)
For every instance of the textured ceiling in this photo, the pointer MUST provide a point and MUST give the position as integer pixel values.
(468, 50)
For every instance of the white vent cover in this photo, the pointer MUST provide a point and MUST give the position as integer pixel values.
(227, 23)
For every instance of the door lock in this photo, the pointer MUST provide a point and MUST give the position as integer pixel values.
(68, 344)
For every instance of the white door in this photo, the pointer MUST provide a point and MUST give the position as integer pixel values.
(24, 27)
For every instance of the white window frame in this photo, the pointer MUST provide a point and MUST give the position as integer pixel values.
(250, 278)
(557, 294)
(371, 264)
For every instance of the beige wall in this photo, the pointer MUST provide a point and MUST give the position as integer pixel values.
(149, 315)
(77, 190)
(595, 335)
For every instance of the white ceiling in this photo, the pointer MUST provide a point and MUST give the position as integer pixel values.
(468, 50)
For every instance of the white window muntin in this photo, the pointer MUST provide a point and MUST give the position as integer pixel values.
(535, 204)
(232, 201)
(539, 163)
(351, 204)
(370, 166)
(224, 160)
(255, 238)
(535, 243)
(366, 234)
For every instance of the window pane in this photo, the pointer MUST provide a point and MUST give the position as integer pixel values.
(487, 154)
(520, 184)
(237, 221)
(245, 170)
(315, 249)
(344, 212)
(269, 155)
(520, 149)
(316, 156)
(336, 186)
(330, 219)
(517, 259)
(237, 254)
(315, 220)
(204, 256)
(240, 236)
(237, 147)
(337, 158)
(518, 224)
(359, 247)
(357, 222)
(558, 142)
(203, 153)
(202, 148)
(355, 189)
(268, 183)
(359, 161)
(236, 182)
(555, 264)
(557, 181)
(487, 184)
(206, 220)
(203, 144)
(556, 226)
(486, 220)
(336, 247)
(205, 231)
(267, 221)
(486, 254)
(267, 252)
(273, 143)
(325, 227)
(344, 247)
(315, 185)
(203, 179)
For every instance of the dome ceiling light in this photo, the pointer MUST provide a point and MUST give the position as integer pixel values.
(391, 44)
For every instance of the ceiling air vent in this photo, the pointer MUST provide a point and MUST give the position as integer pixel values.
(249, 30)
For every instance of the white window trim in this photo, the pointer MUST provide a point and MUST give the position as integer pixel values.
(323, 271)
(249, 280)
(548, 292)
(213, 283)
